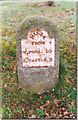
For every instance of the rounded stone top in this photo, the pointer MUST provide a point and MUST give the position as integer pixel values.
(33, 22)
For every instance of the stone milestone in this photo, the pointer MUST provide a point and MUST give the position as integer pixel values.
(38, 54)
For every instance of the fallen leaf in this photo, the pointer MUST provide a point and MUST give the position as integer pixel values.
(5, 86)
(69, 95)
(51, 94)
(53, 10)
(54, 115)
(69, 105)
(22, 109)
(60, 116)
(66, 113)
(4, 58)
(13, 107)
(56, 102)
(50, 108)
(48, 102)
(47, 115)
(72, 103)
(33, 116)
(52, 89)
(41, 107)
(39, 93)
(41, 97)
(63, 108)
(65, 91)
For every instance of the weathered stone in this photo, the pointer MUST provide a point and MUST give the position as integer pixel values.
(38, 65)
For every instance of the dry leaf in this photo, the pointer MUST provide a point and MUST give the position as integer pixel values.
(33, 116)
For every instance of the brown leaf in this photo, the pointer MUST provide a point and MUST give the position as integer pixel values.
(50, 108)
(54, 115)
(47, 115)
(5, 86)
(69, 105)
(69, 95)
(23, 109)
(60, 116)
(41, 107)
(48, 102)
(72, 103)
(33, 116)
(65, 91)
(39, 93)
(63, 108)
(56, 102)
(51, 94)
(66, 113)
(41, 97)
(53, 10)
(52, 89)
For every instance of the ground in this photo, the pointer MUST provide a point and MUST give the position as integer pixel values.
(59, 102)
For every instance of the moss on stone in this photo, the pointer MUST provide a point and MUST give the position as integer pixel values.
(45, 77)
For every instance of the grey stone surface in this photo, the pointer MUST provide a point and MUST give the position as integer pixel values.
(43, 78)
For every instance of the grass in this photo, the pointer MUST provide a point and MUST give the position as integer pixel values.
(15, 102)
